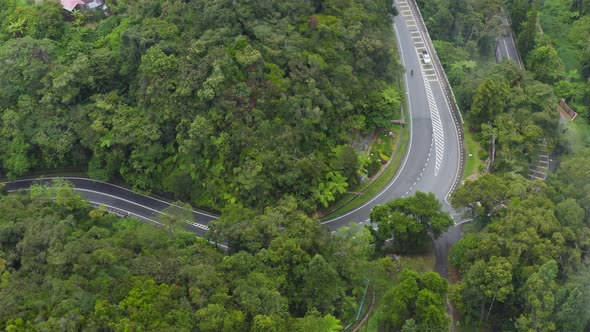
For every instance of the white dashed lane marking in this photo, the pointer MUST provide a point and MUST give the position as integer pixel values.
(437, 128)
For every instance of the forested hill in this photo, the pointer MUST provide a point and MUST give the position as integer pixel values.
(67, 267)
(214, 101)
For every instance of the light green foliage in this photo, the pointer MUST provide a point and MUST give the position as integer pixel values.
(214, 317)
(334, 184)
(539, 293)
(176, 216)
(314, 322)
(482, 198)
(415, 303)
(574, 181)
(509, 270)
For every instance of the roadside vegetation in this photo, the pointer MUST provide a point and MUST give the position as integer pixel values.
(251, 108)
(215, 103)
(474, 156)
(524, 263)
(67, 266)
(369, 187)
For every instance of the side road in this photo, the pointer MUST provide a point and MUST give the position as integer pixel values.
(120, 199)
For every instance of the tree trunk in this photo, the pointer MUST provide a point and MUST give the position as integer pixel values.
(483, 310)
(490, 309)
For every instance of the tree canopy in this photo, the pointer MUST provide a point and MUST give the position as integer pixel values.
(213, 102)
(416, 302)
(527, 268)
(410, 222)
(65, 265)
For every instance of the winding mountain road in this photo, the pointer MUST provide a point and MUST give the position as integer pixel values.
(434, 156)
(433, 162)
(505, 45)
(120, 200)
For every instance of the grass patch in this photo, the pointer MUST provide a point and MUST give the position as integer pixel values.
(472, 161)
(371, 325)
(418, 263)
(576, 134)
(582, 129)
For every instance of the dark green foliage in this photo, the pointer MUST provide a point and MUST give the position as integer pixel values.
(527, 269)
(410, 222)
(472, 25)
(66, 266)
(512, 109)
(215, 102)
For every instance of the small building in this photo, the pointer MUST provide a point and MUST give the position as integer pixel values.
(70, 5)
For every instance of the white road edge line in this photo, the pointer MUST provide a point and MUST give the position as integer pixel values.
(400, 170)
(202, 226)
(110, 184)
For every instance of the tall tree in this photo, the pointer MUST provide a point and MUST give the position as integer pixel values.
(411, 222)
(490, 100)
(413, 302)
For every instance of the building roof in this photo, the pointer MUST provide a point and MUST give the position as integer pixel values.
(69, 5)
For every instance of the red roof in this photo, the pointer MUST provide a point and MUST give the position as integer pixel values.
(69, 5)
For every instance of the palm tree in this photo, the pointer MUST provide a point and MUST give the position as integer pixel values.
(17, 28)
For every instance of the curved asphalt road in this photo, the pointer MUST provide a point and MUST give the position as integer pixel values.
(505, 45)
(432, 163)
(120, 200)
(433, 159)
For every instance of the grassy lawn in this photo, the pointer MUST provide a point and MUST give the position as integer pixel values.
(582, 129)
(472, 161)
(418, 263)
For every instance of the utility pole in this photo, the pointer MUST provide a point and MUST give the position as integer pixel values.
(493, 151)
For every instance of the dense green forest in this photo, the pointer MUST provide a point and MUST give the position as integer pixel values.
(524, 263)
(253, 108)
(65, 266)
(505, 107)
(212, 101)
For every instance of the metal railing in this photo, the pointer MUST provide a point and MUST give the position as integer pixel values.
(447, 90)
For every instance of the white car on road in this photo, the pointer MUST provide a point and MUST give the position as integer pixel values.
(426, 57)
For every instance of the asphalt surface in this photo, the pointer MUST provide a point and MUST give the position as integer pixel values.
(121, 201)
(432, 163)
(505, 45)
(433, 159)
